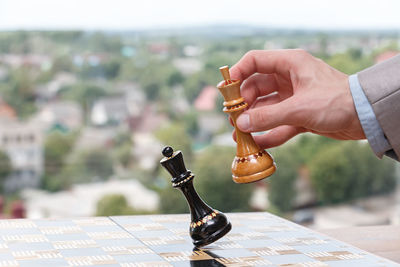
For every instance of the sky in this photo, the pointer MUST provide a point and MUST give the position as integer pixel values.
(148, 14)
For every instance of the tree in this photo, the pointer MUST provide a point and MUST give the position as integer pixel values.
(172, 201)
(122, 148)
(281, 191)
(175, 135)
(5, 168)
(112, 205)
(19, 92)
(98, 164)
(348, 171)
(123, 154)
(85, 167)
(85, 94)
(214, 183)
(56, 148)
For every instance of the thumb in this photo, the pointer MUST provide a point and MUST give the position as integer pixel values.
(268, 117)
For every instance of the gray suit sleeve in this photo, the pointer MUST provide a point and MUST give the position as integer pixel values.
(381, 85)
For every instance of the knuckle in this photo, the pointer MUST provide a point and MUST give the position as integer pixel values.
(301, 54)
(301, 51)
(251, 54)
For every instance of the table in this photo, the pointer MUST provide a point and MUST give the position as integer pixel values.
(380, 240)
(256, 239)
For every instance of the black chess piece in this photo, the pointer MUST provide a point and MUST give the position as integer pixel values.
(207, 225)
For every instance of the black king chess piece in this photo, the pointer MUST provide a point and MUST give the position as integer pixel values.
(208, 225)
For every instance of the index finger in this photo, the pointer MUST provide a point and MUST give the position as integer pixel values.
(262, 61)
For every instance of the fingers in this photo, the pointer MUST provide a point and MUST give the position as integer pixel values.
(270, 116)
(258, 85)
(263, 101)
(267, 100)
(265, 61)
(278, 136)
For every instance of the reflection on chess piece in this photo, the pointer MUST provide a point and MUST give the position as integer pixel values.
(251, 162)
(207, 225)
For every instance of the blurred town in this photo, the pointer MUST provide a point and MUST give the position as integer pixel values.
(84, 117)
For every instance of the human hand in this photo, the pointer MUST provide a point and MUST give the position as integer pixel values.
(291, 92)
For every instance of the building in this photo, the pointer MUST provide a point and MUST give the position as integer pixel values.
(81, 199)
(48, 91)
(187, 66)
(65, 114)
(210, 122)
(109, 111)
(205, 101)
(23, 143)
(385, 56)
(7, 113)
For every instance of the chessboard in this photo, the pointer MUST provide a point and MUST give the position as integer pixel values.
(256, 239)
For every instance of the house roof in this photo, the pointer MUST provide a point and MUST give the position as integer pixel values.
(206, 99)
(385, 55)
(6, 111)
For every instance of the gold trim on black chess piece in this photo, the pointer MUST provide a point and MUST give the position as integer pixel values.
(207, 225)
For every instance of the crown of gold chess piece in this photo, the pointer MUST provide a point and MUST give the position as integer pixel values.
(251, 162)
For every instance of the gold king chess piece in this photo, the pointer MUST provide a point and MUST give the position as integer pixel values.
(251, 162)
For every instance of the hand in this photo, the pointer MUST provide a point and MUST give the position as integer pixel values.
(291, 92)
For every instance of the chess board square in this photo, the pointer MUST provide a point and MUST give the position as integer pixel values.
(65, 237)
(82, 252)
(6, 256)
(30, 246)
(171, 248)
(43, 262)
(257, 243)
(289, 259)
(138, 258)
(118, 242)
(231, 253)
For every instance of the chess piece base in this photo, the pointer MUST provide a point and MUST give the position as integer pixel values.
(254, 177)
(253, 167)
(213, 237)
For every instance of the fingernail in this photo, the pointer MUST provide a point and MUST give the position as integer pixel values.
(243, 122)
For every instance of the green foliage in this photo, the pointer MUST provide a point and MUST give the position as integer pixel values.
(175, 135)
(97, 163)
(5, 168)
(112, 68)
(108, 69)
(348, 171)
(175, 78)
(157, 75)
(56, 148)
(339, 171)
(123, 154)
(84, 167)
(62, 64)
(18, 92)
(214, 183)
(310, 145)
(113, 205)
(122, 150)
(350, 62)
(172, 201)
(84, 94)
(281, 191)
(99, 43)
(193, 85)
(191, 124)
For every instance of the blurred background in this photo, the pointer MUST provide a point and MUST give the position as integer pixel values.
(91, 91)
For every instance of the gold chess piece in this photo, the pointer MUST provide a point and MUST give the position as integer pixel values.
(251, 163)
